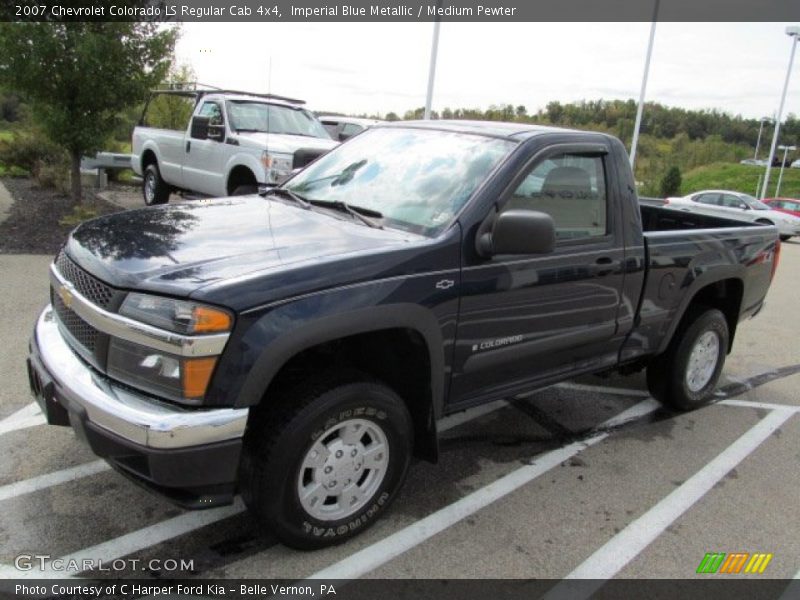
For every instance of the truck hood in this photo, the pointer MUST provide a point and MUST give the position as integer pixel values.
(283, 143)
(179, 248)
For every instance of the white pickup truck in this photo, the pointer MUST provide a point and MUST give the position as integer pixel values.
(234, 142)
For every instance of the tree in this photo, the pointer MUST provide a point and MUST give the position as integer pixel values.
(79, 76)
(173, 112)
(671, 182)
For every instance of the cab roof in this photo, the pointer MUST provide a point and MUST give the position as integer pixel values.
(512, 131)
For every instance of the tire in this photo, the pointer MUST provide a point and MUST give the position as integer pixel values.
(279, 460)
(785, 238)
(154, 189)
(684, 377)
(245, 190)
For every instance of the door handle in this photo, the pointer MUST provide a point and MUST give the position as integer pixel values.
(188, 146)
(605, 265)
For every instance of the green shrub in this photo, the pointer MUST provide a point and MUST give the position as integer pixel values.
(13, 171)
(30, 150)
(54, 175)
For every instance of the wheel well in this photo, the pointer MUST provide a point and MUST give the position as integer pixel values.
(148, 158)
(240, 176)
(397, 357)
(724, 295)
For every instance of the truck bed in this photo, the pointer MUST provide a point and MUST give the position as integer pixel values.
(663, 218)
(683, 253)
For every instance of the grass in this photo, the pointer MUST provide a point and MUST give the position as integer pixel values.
(78, 215)
(740, 178)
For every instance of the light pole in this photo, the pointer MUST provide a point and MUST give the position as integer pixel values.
(786, 150)
(760, 129)
(432, 69)
(640, 108)
(794, 33)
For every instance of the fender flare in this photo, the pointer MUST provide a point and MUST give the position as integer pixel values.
(695, 287)
(249, 162)
(330, 328)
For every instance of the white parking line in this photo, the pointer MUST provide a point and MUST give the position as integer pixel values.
(392, 546)
(460, 418)
(134, 541)
(580, 387)
(27, 416)
(34, 484)
(762, 405)
(612, 557)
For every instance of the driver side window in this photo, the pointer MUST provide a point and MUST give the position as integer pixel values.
(213, 112)
(570, 188)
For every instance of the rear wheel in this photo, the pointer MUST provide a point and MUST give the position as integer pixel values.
(684, 377)
(327, 461)
(154, 189)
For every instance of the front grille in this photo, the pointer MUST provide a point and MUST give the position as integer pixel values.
(84, 334)
(86, 285)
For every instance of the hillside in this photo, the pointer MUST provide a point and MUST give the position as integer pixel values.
(741, 178)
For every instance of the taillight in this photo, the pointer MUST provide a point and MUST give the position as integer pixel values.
(776, 258)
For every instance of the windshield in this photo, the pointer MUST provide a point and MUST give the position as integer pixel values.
(274, 118)
(754, 203)
(417, 179)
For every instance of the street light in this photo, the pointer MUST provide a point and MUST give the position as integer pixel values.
(432, 67)
(786, 150)
(640, 108)
(794, 33)
(760, 128)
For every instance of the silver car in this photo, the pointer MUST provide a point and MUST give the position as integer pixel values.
(736, 205)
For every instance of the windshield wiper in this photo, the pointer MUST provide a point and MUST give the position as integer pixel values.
(278, 191)
(359, 212)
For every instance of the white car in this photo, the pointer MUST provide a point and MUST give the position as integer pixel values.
(736, 205)
(233, 143)
(343, 128)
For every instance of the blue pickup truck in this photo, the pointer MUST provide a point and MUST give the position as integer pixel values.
(298, 346)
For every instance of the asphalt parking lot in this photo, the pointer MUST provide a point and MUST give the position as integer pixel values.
(588, 479)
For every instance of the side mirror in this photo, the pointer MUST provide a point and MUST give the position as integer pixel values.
(519, 232)
(199, 129)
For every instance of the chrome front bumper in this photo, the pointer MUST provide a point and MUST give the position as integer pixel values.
(133, 417)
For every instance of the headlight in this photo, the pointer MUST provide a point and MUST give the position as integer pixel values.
(277, 167)
(179, 378)
(180, 316)
(174, 377)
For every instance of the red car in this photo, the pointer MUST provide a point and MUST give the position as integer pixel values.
(786, 205)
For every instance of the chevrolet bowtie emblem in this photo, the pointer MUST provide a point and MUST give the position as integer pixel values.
(66, 296)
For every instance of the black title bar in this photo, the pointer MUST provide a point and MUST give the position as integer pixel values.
(487, 11)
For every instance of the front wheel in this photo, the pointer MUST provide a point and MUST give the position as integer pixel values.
(154, 189)
(327, 460)
(684, 377)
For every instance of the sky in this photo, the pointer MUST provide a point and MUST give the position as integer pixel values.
(376, 68)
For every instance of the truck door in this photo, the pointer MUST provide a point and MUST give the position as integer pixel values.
(204, 158)
(526, 319)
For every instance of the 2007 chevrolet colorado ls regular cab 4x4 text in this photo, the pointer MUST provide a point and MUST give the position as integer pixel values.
(300, 346)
